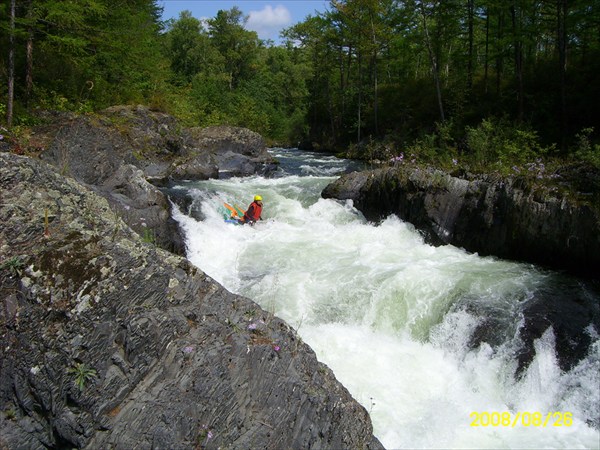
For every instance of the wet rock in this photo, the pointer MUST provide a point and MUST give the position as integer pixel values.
(110, 342)
(574, 319)
(506, 217)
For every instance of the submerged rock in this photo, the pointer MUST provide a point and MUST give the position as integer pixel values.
(111, 342)
(505, 217)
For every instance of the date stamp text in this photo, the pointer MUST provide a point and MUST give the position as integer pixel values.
(524, 419)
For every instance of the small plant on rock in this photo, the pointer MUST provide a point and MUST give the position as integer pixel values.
(149, 237)
(14, 265)
(10, 414)
(204, 436)
(82, 374)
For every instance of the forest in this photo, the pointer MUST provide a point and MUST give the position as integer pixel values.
(490, 84)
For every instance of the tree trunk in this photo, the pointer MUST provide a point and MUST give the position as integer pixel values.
(346, 84)
(561, 10)
(376, 98)
(499, 52)
(359, 118)
(518, 48)
(29, 72)
(434, 64)
(29, 57)
(487, 48)
(11, 66)
(470, 13)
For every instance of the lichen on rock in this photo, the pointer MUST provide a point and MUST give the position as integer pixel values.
(112, 342)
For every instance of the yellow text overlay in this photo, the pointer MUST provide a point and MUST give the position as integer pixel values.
(523, 419)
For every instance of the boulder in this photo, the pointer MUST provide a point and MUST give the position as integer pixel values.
(112, 342)
(143, 206)
(238, 151)
(94, 151)
(508, 217)
(90, 148)
(123, 151)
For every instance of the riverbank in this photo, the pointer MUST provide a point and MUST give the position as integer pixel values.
(515, 218)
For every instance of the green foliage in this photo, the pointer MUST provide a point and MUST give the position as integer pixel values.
(363, 73)
(87, 54)
(499, 144)
(585, 150)
(148, 236)
(249, 114)
(81, 374)
(189, 48)
(14, 266)
(236, 45)
(10, 414)
(53, 100)
(437, 148)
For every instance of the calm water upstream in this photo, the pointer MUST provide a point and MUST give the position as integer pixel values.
(422, 336)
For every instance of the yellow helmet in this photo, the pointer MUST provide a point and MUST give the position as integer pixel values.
(257, 198)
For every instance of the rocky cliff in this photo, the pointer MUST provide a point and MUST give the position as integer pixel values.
(511, 218)
(111, 342)
(125, 152)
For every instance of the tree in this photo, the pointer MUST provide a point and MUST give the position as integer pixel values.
(11, 66)
(561, 38)
(470, 26)
(362, 68)
(435, 67)
(315, 40)
(516, 14)
(185, 45)
(112, 47)
(236, 45)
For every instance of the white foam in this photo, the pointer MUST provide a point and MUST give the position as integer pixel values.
(393, 317)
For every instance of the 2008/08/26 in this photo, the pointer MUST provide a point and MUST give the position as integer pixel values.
(526, 419)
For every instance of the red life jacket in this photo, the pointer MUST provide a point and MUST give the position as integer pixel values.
(253, 213)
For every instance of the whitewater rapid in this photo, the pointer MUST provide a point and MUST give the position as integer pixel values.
(394, 317)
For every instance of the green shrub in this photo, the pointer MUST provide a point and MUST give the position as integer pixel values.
(437, 148)
(501, 145)
(585, 150)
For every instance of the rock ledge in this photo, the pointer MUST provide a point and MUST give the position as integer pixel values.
(505, 217)
(111, 342)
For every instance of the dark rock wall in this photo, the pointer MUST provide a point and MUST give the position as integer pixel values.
(505, 217)
(124, 151)
(164, 356)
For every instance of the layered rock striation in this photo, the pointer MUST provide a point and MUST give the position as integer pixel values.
(491, 215)
(111, 342)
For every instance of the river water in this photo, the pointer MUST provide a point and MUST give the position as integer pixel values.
(431, 340)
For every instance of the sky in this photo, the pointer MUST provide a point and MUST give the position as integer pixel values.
(267, 18)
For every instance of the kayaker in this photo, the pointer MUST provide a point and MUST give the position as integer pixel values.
(254, 211)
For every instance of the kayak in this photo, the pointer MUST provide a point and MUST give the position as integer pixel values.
(235, 211)
(233, 214)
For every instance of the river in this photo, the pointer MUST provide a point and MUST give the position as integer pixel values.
(435, 342)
